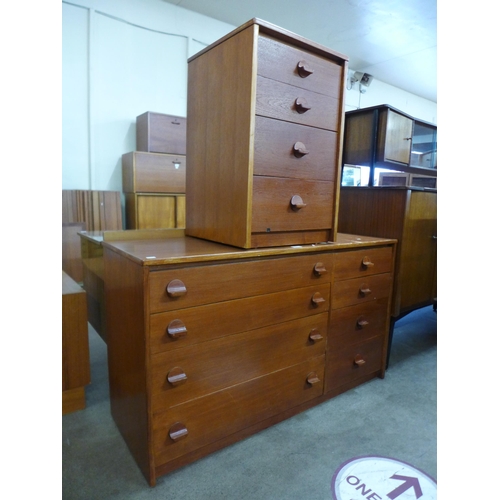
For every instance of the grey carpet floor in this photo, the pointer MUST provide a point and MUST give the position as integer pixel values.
(294, 460)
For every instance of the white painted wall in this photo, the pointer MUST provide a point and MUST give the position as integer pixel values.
(122, 58)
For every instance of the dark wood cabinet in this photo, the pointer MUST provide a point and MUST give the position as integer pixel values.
(382, 137)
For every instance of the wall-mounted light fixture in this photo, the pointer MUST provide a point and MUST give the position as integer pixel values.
(363, 78)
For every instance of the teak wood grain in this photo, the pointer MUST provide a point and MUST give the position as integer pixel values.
(245, 358)
(356, 323)
(248, 76)
(278, 61)
(220, 282)
(225, 412)
(75, 345)
(408, 215)
(144, 172)
(212, 321)
(274, 151)
(234, 359)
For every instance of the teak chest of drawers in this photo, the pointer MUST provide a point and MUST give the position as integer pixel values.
(264, 127)
(208, 344)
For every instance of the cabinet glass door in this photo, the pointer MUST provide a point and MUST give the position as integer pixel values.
(424, 146)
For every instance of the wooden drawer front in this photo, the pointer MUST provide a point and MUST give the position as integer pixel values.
(272, 208)
(353, 361)
(153, 173)
(357, 323)
(280, 61)
(372, 260)
(160, 133)
(279, 100)
(199, 370)
(220, 414)
(219, 282)
(175, 329)
(279, 151)
(359, 290)
(155, 211)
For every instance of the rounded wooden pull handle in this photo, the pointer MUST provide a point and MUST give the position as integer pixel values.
(176, 329)
(366, 262)
(299, 150)
(319, 269)
(364, 290)
(177, 431)
(297, 202)
(176, 376)
(317, 299)
(314, 335)
(301, 105)
(176, 288)
(304, 69)
(312, 378)
(361, 322)
(359, 360)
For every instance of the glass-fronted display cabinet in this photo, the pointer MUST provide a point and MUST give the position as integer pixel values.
(384, 146)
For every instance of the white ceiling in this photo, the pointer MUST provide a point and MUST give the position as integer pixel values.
(395, 41)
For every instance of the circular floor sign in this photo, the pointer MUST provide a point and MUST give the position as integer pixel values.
(381, 478)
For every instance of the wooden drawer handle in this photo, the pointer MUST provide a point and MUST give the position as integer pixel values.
(361, 322)
(314, 335)
(176, 288)
(176, 329)
(297, 202)
(317, 299)
(364, 290)
(319, 269)
(177, 431)
(176, 376)
(366, 262)
(301, 105)
(312, 378)
(300, 150)
(304, 69)
(358, 360)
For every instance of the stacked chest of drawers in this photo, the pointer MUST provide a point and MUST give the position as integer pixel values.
(263, 136)
(208, 344)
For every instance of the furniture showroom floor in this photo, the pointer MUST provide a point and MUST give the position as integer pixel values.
(294, 460)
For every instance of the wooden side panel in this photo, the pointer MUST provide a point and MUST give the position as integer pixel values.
(180, 211)
(358, 139)
(220, 141)
(127, 363)
(419, 251)
(75, 342)
(155, 211)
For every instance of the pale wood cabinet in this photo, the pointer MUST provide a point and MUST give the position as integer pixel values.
(264, 121)
(154, 185)
(208, 343)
